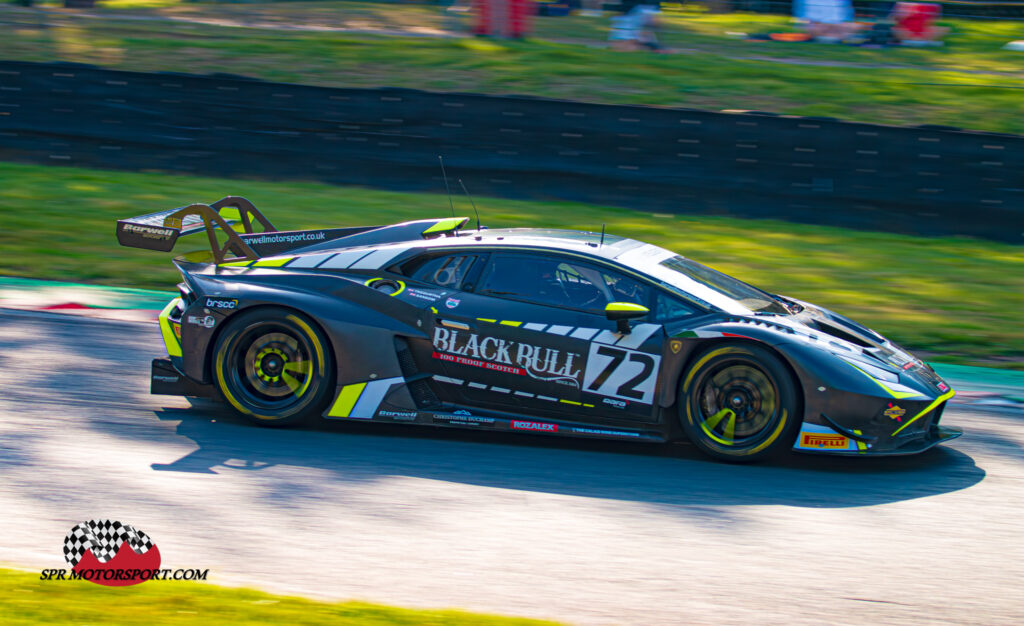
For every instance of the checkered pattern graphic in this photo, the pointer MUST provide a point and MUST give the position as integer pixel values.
(103, 538)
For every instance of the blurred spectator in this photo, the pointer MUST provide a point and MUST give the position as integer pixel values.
(828, 21)
(637, 28)
(914, 24)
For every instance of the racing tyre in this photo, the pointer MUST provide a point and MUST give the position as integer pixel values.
(273, 366)
(738, 402)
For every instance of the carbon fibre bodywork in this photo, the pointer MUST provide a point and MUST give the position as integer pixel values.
(412, 351)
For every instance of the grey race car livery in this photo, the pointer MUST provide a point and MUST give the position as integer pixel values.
(532, 330)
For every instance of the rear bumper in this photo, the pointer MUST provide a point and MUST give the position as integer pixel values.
(165, 379)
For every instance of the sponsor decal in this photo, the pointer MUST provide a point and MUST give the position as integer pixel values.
(451, 303)
(618, 404)
(176, 327)
(539, 426)
(894, 412)
(205, 322)
(502, 355)
(112, 554)
(822, 440)
(943, 387)
(463, 418)
(675, 346)
(149, 232)
(461, 412)
(598, 431)
(287, 237)
(166, 379)
(423, 295)
(398, 416)
(216, 303)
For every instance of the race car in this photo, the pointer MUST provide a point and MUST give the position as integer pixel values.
(534, 330)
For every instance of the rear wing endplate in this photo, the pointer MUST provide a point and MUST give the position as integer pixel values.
(160, 231)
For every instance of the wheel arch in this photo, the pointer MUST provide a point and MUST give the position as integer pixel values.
(673, 385)
(211, 346)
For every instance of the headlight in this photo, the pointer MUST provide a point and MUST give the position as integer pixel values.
(873, 370)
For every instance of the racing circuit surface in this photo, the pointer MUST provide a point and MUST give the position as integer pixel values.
(580, 531)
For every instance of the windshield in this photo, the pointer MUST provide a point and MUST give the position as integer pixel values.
(723, 291)
(749, 296)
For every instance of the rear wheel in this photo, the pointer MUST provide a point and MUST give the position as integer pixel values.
(738, 402)
(273, 366)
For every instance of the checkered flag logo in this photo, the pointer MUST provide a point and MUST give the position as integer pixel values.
(103, 538)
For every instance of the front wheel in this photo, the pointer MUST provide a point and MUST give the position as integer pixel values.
(738, 402)
(273, 366)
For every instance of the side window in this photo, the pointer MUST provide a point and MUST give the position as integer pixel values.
(625, 289)
(535, 279)
(667, 308)
(445, 271)
(551, 281)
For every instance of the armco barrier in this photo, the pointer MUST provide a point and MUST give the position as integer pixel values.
(920, 180)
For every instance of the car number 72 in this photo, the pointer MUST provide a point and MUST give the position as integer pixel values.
(620, 373)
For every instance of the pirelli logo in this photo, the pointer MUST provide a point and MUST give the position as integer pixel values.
(818, 440)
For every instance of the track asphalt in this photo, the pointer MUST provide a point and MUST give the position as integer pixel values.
(581, 531)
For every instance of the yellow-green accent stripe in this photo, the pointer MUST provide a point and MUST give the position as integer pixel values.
(510, 323)
(481, 319)
(899, 395)
(572, 402)
(237, 264)
(278, 262)
(446, 224)
(172, 343)
(861, 446)
(936, 402)
(231, 213)
(347, 400)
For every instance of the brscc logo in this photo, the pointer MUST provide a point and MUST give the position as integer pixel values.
(110, 553)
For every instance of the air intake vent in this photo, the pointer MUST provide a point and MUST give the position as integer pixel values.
(839, 333)
(416, 382)
(186, 294)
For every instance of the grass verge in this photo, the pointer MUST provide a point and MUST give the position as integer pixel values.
(27, 600)
(954, 299)
(970, 83)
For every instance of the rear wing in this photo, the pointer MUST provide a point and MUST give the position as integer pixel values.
(160, 231)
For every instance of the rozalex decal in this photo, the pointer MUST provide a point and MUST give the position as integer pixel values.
(109, 553)
(451, 303)
(943, 387)
(511, 357)
(541, 426)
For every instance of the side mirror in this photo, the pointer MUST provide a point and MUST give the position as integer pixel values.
(622, 312)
